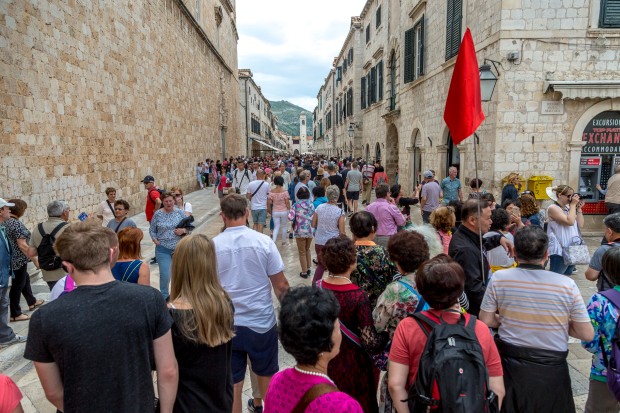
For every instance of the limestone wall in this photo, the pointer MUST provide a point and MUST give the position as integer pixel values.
(98, 94)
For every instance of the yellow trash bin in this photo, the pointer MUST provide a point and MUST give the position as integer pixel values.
(538, 184)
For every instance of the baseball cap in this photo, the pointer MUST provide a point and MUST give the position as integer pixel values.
(3, 203)
(428, 174)
(148, 179)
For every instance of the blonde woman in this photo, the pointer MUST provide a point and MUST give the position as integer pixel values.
(564, 219)
(203, 328)
(180, 202)
(511, 190)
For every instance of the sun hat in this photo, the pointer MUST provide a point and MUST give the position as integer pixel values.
(551, 193)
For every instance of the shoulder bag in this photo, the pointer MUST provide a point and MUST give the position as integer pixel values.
(311, 395)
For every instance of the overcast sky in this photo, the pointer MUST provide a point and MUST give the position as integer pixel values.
(290, 45)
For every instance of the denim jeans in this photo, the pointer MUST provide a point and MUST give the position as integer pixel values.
(6, 332)
(556, 264)
(164, 259)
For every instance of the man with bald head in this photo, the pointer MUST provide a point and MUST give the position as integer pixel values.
(257, 193)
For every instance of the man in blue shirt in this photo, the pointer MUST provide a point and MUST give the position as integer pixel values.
(451, 187)
(7, 335)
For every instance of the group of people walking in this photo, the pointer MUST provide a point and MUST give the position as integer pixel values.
(368, 324)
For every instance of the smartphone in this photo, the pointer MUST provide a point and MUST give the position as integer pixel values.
(83, 216)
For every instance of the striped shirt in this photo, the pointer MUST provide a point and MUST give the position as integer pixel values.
(535, 307)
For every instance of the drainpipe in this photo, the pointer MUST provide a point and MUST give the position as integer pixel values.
(247, 133)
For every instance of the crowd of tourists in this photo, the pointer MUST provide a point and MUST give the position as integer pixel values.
(469, 305)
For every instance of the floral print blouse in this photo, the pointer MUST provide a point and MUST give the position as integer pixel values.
(301, 212)
(394, 304)
(15, 229)
(374, 269)
(604, 316)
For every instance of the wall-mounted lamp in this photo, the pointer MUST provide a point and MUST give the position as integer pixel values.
(351, 129)
(488, 79)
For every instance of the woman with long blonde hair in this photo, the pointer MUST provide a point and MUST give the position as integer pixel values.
(203, 328)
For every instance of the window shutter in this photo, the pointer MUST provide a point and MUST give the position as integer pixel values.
(421, 51)
(610, 13)
(363, 95)
(351, 55)
(449, 28)
(368, 90)
(373, 84)
(409, 46)
(456, 33)
(350, 102)
(380, 76)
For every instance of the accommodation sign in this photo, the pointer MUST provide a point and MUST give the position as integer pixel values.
(602, 134)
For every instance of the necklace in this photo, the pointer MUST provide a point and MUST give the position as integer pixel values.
(313, 373)
(341, 276)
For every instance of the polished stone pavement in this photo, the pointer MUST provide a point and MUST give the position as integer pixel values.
(206, 212)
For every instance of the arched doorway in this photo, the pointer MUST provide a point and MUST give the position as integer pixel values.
(391, 153)
(416, 159)
(453, 156)
(378, 152)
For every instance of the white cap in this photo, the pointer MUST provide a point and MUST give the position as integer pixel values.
(3, 203)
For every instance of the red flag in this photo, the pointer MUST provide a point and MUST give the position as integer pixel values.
(463, 113)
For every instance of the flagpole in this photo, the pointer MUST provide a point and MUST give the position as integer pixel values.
(484, 276)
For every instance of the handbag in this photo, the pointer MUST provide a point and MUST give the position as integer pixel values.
(577, 253)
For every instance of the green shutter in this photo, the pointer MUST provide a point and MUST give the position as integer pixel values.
(610, 13)
(409, 47)
(421, 52)
(380, 76)
(373, 84)
(363, 95)
(449, 22)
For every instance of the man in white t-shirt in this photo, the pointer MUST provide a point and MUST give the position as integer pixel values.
(241, 178)
(535, 311)
(249, 266)
(257, 192)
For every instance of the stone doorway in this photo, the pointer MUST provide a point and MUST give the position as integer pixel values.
(453, 156)
(391, 153)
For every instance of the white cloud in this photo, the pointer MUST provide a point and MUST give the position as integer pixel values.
(290, 45)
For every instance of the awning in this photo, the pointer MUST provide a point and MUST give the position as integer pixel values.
(267, 145)
(584, 89)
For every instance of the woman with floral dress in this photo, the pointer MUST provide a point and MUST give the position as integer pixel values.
(301, 214)
(407, 250)
(374, 269)
(604, 316)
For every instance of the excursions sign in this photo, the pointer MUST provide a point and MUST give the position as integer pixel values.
(602, 134)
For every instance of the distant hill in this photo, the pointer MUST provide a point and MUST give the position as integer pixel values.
(288, 117)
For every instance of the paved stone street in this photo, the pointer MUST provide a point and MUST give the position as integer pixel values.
(206, 212)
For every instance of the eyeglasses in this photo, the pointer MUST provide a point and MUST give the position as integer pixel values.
(119, 209)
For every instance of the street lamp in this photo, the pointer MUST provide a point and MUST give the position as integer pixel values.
(351, 130)
(487, 80)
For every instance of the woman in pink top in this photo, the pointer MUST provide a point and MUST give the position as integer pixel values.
(310, 332)
(279, 200)
(443, 220)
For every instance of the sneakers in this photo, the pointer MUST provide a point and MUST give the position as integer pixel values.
(304, 274)
(252, 408)
(290, 235)
(154, 260)
(21, 339)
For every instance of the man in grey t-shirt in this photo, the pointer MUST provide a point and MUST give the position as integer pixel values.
(353, 187)
(430, 194)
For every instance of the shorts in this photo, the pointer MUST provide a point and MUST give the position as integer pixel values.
(353, 195)
(259, 216)
(262, 349)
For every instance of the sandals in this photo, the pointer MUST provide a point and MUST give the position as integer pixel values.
(36, 305)
(304, 274)
(21, 317)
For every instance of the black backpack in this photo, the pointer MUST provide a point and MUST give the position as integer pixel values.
(452, 375)
(48, 260)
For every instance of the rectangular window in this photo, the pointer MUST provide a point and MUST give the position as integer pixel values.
(414, 51)
(339, 74)
(453, 27)
(344, 66)
(419, 47)
(350, 55)
(378, 17)
(350, 102)
(320, 128)
(373, 84)
(344, 105)
(368, 90)
(610, 13)
(363, 94)
(320, 102)
(368, 33)
(328, 120)
(380, 79)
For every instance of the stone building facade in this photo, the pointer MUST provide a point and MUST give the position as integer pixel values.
(99, 94)
(556, 63)
(258, 123)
